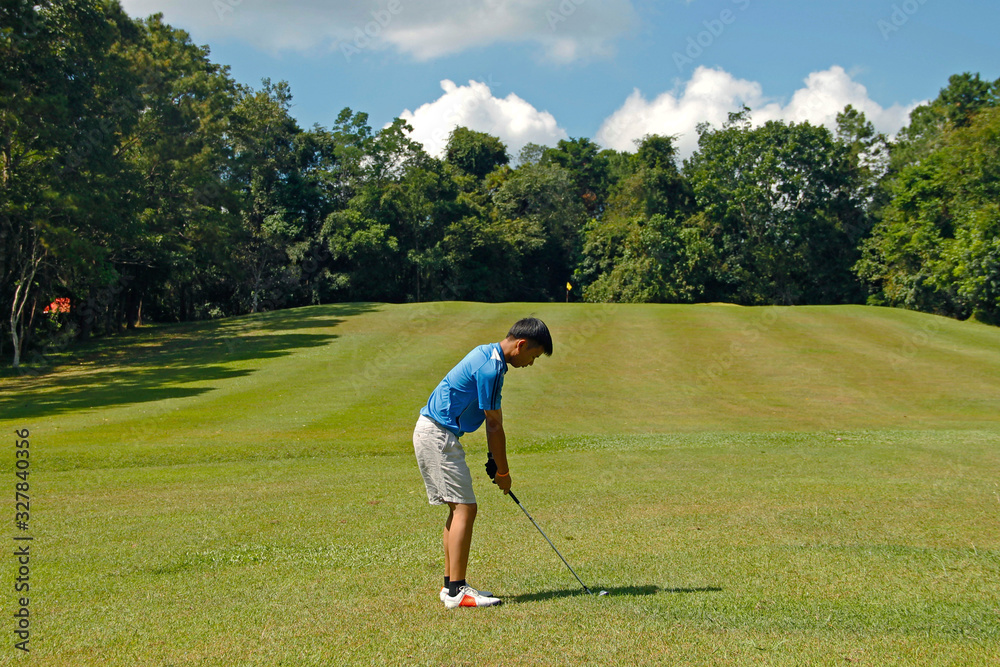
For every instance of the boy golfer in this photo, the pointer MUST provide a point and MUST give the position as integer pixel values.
(467, 396)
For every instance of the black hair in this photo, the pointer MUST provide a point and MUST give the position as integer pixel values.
(533, 329)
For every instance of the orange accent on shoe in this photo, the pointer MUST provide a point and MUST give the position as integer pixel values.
(467, 601)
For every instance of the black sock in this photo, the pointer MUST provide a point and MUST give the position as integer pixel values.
(453, 587)
(446, 582)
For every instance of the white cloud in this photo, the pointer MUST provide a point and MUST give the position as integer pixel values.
(826, 94)
(513, 120)
(711, 94)
(566, 30)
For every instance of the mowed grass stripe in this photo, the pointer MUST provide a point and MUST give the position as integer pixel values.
(352, 377)
(907, 365)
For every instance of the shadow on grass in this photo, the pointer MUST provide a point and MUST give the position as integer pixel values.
(621, 590)
(310, 317)
(156, 363)
(703, 589)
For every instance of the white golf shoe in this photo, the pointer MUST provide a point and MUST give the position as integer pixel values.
(444, 593)
(470, 597)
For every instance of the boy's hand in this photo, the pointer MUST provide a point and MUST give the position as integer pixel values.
(503, 481)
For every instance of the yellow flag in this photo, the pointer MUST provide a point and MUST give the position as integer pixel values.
(568, 287)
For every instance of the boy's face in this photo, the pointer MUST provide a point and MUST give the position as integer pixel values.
(525, 353)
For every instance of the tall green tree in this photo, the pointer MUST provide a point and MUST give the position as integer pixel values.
(181, 157)
(646, 260)
(778, 205)
(955, 106)
(588, 167)
(263, 136)
(475, 153)
(379, 241)
(936, 248)
(541, 217)
(640, 249)
(65, 99)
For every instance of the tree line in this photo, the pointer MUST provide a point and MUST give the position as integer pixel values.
(140, 183)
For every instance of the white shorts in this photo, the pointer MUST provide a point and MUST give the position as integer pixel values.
(442, 463)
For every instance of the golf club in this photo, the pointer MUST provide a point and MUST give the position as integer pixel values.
(511, 494)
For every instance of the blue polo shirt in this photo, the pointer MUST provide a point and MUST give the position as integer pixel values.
(471, 387)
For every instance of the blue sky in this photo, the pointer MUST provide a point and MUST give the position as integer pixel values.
(612, 71)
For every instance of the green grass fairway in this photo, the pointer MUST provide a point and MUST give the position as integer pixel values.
(787, 486)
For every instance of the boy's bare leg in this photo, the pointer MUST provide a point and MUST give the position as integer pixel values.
(458, 539)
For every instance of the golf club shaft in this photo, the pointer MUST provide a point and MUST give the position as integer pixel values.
(511, 494)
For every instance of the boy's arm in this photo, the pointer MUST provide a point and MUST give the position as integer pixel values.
(496, 440)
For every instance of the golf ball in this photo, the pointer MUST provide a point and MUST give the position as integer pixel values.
(603, 593)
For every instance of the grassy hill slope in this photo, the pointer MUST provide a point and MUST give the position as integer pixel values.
(787, 486)
(351, 378)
